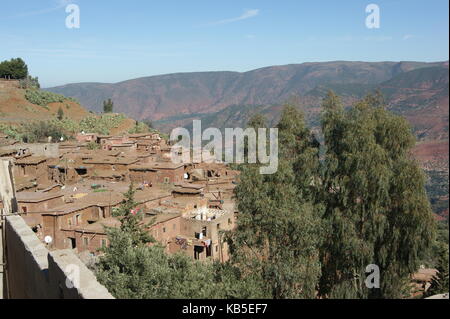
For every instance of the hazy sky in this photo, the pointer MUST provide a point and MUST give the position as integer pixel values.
(119, 40)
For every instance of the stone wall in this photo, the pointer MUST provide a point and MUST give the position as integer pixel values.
(34, 272)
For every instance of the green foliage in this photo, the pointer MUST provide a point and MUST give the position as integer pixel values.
(149, 124)
(39, 131)
(437, 190)
(108, 106)
(131, 219)
(11, 131)
(440, 283)
(43, 98)
(93, 146)
(101, 125)
(60, 114)
(13, 69)
(377, 211)
(30, 83)
(140, 127)
(279, 229)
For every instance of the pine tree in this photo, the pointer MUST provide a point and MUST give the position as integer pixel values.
(377, 211)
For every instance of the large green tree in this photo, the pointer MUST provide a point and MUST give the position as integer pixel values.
(279, 227)
(377, 211)
(14, 69)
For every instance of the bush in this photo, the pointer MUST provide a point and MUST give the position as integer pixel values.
(43, 98)
(30, 83)
(140, 127)
(40, 131)
(11, 131)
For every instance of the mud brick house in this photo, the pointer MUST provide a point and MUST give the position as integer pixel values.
(8, 152)
(62, 222)
(120, 164)
(38, 202)
(145, 158)
(188, 190)
(107, 142)
(202, 228)
(79, 225)
(150, 197)
(124, 147)
(86, 137)
(34, 166)
(148, 146)
(143, 136)
(164, 228)
(93, 236)
(185, 204)
(158, 172)
(67, 170)
(107, 175)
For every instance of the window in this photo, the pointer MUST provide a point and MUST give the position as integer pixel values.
(85, 241)
(24, 209)
(164, 229)
(204, 231)
(104, 243)
(69, 222)
(166, 180)
(229, 221)
(218, 226)
(78, 219)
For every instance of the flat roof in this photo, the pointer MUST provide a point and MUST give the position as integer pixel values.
(155, 166)
(36, 197)
(31, 160)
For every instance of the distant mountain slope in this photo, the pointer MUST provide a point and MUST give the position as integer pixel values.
(161, 96)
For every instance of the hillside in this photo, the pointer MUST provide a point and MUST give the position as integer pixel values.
(16, 110)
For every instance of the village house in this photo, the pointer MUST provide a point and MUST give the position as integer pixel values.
(92, 237)
(86, 137)
(157, 172)
(34, 166)
(120, 164)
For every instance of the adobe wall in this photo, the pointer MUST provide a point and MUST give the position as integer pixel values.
(35, 272)
(37, 149)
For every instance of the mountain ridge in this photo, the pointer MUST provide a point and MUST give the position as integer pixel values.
(159, 96)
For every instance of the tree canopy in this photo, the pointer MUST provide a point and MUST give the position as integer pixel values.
(15, 69)
(108, 106)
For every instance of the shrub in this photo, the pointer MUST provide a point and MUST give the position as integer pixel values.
(43, 98)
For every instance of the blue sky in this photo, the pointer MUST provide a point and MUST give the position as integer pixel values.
(119, 40)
